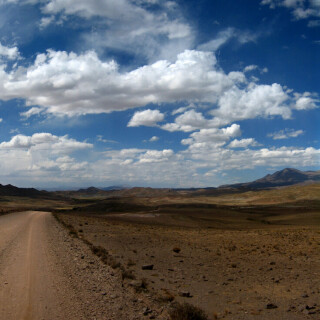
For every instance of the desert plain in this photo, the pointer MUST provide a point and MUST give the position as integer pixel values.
(140, 253)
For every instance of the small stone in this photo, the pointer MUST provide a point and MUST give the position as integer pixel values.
(271, 306)
(185, 294)
(147, 267)
(147, 311)
(310, 308)
(136, 283)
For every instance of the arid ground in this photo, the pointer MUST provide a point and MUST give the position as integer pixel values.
(253, 255)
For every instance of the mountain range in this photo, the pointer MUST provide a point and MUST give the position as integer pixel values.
(285, 177)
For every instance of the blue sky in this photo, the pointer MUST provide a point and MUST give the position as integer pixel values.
(157, 93)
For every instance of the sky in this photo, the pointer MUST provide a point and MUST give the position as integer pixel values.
(157, 93)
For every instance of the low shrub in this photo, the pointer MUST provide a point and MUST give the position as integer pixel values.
(187, 311)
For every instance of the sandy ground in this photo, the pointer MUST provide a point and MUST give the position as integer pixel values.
(46, 274)
(264, 272)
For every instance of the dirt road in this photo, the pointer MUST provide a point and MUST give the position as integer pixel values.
(45, 274)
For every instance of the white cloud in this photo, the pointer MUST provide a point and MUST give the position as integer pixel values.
(148, 118)
(45, 141)
(156, 156)
(64, 83)
(154, 138)
(301, 9)
(183, 109)
(255, 101)
(217, 157)
(225, 36)
(40, 157)
(102, 139)
(250, 68)
(253, 67)
(10, 53)
(222, 38)
(305, 101)
(188, 121)
(285, 134)
(43, 158)
(125, 25)
(243, 143)
(32, 112)
(46, 21)
(211, 138)
(79, 84)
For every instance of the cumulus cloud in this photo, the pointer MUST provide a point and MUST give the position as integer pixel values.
(243, 143)
(10, 53)
(64, 83)
(44, 158)
(227, 159)
(80, 84)
(285, 134)
(255, 101)
(45, 141)
(211, 138)
(148, 118)
(305, 101)
(188, 121)
(48, 159)
(156, 156)
(164, 167)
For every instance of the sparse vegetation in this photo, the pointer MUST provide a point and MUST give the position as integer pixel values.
(183, 246)
(127, 274)
(187, 311)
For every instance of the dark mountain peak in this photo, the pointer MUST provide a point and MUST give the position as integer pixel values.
(10, 190)
(285, 177)
(287, 174)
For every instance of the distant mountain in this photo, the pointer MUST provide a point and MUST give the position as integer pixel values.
(10, 190)
(285, 177)
(112, 188)
(90, 190)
